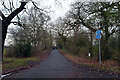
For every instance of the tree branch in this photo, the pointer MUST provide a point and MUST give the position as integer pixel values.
(5, 6)
(83, 22)
(113, 31)
(38, 7)
(18, 10)
(101, 9)
(87, 25)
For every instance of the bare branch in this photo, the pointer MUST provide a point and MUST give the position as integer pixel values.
(83, 22)
(113, 31)
(14, 13)
(13, 5)
(101, 9)
(5, 6)
(58, 3)
(10, 5)
(38, 7)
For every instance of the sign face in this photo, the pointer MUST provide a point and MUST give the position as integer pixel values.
(98, 34)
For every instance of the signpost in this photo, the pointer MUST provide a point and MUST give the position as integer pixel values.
(98, 36)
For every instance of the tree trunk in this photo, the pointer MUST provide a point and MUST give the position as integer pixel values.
(91, 45)
(106, 53)
(4, 33)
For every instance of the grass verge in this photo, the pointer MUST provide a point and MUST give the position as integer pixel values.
(10, 63)
(108, 65)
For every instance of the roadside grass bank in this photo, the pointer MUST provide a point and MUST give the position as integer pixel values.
(11, 64)
(108, 65)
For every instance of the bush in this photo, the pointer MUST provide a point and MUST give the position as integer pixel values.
(95, 51)
(23, 50)
(9, 52)
(78, 45)
(84, 50)
(19, 50)
(114, 51)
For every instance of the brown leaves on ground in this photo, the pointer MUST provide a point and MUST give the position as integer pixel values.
(108, 65)
(43, 54)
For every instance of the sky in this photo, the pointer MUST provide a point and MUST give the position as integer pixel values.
(59, 7)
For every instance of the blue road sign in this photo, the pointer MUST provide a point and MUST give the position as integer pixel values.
(98, 34)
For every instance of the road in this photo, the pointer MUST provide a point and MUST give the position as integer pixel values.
(57, 66)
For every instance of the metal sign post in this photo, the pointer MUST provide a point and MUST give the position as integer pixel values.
(98, 36)
(99, 52)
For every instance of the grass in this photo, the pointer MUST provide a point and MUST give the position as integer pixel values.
(66, 52)
(11, 63)
(7, 60)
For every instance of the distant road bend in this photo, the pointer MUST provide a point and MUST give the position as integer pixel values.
(57, 66)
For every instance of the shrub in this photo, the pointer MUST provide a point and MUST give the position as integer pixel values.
(23, 50)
